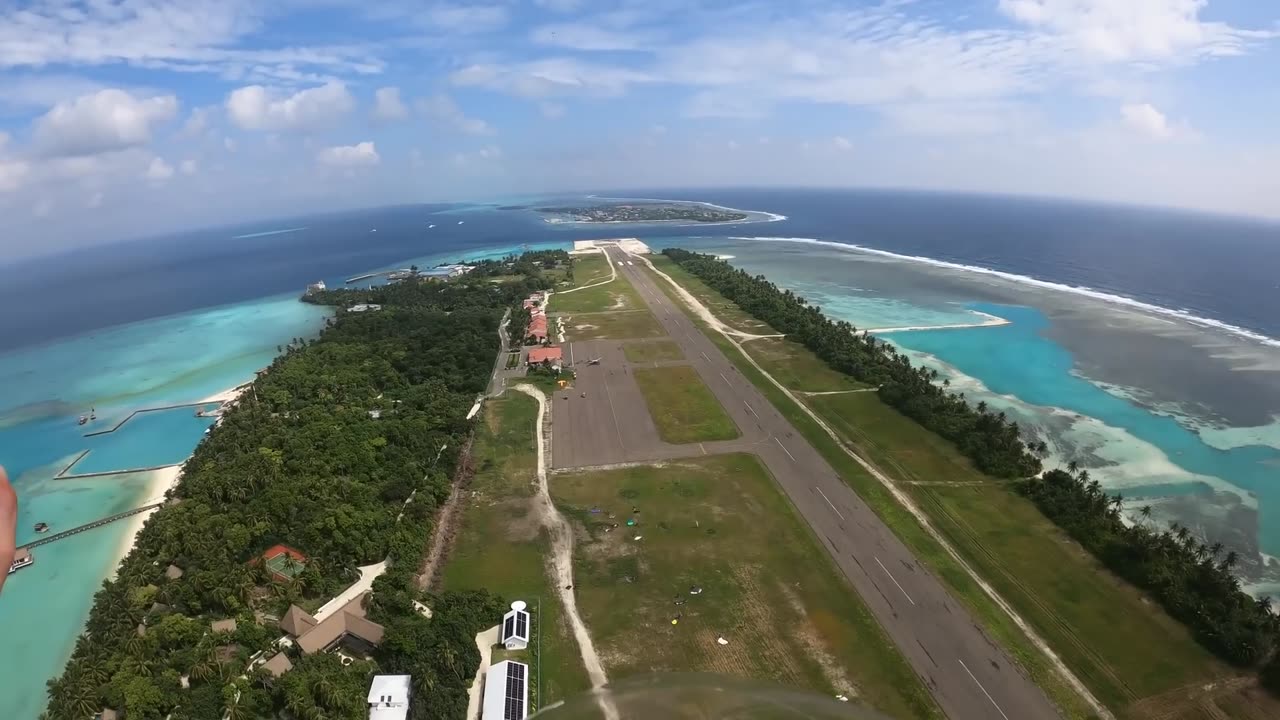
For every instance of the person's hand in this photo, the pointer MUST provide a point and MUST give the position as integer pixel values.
(8, 524)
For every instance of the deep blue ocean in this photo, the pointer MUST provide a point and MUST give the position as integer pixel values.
(1138, 342)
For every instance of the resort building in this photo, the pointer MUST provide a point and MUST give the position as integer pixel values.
(389, 697)
(315, 287)
(278, 665)
(552, 355)
(515, 627)
(506, 692)
(364, 307)
(224, 626)
(348, 627)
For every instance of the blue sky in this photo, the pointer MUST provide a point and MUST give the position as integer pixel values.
(128, 117)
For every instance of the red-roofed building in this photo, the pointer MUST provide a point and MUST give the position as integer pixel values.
(552, 355)
(538, 328)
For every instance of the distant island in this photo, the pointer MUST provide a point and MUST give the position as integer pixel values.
(647, 213)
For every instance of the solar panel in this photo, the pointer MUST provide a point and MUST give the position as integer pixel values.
(508, 627)
(522, 625)
(515, 692)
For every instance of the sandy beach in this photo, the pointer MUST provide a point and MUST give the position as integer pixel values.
(161, 481)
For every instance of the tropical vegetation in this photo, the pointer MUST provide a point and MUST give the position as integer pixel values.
(343, 448)
(1192, 580)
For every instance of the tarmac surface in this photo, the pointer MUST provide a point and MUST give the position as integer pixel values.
(969, 675)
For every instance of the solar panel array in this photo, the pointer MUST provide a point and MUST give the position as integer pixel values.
(522, 624)
(515, 692)
(508, 627)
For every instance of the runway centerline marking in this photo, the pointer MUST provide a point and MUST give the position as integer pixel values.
(725, 379)
(784, 448)
(824, 497)
(984, 690)
(753, 412)
(904, 592)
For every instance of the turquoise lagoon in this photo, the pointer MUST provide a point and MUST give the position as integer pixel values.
(1169, 455)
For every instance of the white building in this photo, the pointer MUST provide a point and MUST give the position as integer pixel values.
(506, 692)
(515, 627)
(389, 697)
(315, 287)
(364, 307)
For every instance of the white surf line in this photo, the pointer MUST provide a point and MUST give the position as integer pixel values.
(702, 311)
(1081, 290)
(991, 321)
(833, 505)
(894, 579)
(562, 559)
(773, 217)
(984, 690)
(784, 448)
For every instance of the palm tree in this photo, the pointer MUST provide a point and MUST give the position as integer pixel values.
(1230, 560)
(325, 690)
(1073, 467)
(1145, 512)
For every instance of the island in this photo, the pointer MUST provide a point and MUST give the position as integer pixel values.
(642, 213)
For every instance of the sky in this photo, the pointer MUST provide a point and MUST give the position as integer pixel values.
(121, 118)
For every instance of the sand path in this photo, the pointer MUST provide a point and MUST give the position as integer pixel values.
(562, 558)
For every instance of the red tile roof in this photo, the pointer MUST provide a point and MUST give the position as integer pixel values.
(538, 355)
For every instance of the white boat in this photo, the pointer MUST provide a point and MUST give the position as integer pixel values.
(22, 559)
(461, 221)
(430, 226)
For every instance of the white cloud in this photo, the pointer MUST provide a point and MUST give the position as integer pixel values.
(101, 122)
(43, 90)
(551, 110)
(203, 36)
(12, 174)
(465, 18)
(1132, 29)
(159, 170)
(484, 156)
(388, 105)
(361, 155)
(256, 108)
(444, 109)
(1146, 119)
(563, 6)
(188, 167)
(550, 77)
(94, 201)
(585, 36)
(842, 143)
(197, 122)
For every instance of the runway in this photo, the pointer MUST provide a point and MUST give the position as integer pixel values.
(969, 675)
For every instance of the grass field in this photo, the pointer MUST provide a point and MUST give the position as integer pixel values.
(616, 295)
(1072, 601)
(643, 352)
(589, 269)
(787, 614)
(997, 533)
(682, 406)
(898, 519)
(630, 324)
(797, 368)
(502, 548)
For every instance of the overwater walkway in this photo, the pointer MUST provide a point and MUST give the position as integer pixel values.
(89, 526)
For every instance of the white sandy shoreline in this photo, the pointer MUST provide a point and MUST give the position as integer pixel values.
(161, 482)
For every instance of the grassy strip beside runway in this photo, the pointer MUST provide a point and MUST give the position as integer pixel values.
(682, 407)
(722, 552)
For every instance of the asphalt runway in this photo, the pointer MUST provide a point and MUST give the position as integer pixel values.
(604, 420)
(970, 676)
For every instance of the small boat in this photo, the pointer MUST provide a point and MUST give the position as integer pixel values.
(430, 226)
(83, 419)
(42, 527)
(22, 559)
(461, 221)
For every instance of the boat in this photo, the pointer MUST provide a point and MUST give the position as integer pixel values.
(22, 559)
(430, 226)
(83, 419)
(42, 527)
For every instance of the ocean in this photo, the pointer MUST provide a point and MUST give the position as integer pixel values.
(1140, 343)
